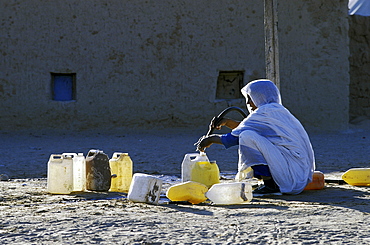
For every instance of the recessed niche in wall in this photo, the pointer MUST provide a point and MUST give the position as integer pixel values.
(229, 84)
(63, 86)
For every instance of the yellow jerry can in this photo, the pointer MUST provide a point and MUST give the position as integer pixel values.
(206, 173)
(189, 191)
(357, 176)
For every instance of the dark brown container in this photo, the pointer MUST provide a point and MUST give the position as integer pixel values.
(98, 174)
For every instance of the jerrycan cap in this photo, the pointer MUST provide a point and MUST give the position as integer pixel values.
(204, 164)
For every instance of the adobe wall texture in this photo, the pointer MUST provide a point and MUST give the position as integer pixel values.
(150, 63)
(136, 62)
(359, 34)
(314, 67)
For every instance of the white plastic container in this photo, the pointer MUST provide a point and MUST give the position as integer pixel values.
(60, 174)
(188, 162)
(230, 193)
(145, 188)
(121, 169)
(79, 171)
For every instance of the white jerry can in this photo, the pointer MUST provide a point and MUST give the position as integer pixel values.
(60, 174)
(145, 188)
(188, 162)
(230, 193)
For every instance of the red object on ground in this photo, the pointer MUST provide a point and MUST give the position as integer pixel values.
(317, 183)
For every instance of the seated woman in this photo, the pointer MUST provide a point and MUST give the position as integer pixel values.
(271, 141)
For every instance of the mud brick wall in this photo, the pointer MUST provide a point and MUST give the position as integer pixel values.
(136, 63)
(314, 65)
(157, 63)
(359, 33)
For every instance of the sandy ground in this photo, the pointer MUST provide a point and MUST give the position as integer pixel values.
(338, 214)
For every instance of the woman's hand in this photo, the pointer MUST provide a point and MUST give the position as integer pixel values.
(203, 143)
(227, 122)
(220, 123)
(206, 141)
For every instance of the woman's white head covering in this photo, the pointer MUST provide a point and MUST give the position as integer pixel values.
(262, 92)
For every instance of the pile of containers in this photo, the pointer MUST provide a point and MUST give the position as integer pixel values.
(72, 172)
(201, 181)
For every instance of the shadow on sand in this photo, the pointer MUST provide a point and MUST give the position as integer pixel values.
(345, 196)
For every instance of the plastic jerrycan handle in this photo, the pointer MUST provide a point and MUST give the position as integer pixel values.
(92, 153)
(191, 156)
(81, 155)
(56, 157)
(116, 155)
(200, 157)
(69, 155)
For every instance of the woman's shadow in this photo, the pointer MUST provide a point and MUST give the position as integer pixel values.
(346, 196)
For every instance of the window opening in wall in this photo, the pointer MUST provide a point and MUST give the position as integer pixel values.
(229, 84)
(63, 86)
